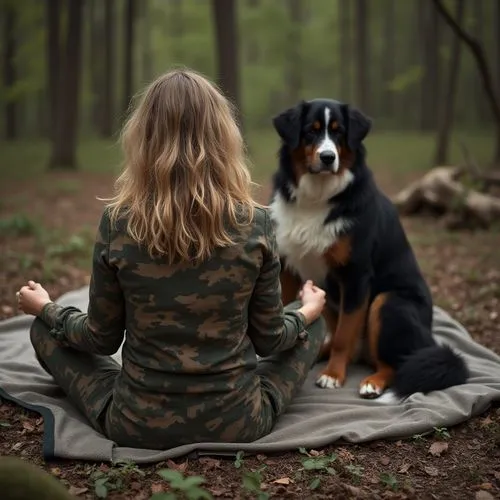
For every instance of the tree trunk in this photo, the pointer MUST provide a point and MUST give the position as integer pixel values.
(446, 117)
(109, 69)
(9, 69)
(97, 59)
(252, 51)
(65, 140)
(430, 95)
(389, 58)
(128, 72)
(482, 64)
(227, 46)
(345, 55)
(480, 105)
(294, 63)
(147, 51)
(496, 158)
(361, 47)
(53, 18)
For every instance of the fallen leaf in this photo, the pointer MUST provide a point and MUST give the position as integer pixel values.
(314, 453)
(180, 467)
(399, 443)
(135, 485)
(28, 426)
(157, 488)
(485, 486)
(483, 495)
(385, 460)
(17, 446)
(354, 491)
(210, 462)
(404, 468)
(283, 480)
(438, 447)
(432, 471)
(55, 471)
(486, 421)
(261, 457)
(75, 491)
(345, 455)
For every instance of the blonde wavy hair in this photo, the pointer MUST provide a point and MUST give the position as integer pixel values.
(185, 183)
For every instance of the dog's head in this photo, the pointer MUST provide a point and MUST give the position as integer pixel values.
(322, 134)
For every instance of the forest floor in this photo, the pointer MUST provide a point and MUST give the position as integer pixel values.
(47, 228)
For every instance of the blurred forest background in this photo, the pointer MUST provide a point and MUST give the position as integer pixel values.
(71, 67)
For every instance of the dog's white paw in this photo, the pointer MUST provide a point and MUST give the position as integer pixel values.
(327, 382)
(370, 391)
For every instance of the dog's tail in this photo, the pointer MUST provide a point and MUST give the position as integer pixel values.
(429, 369)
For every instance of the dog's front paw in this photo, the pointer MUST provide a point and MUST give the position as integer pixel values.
(370, 391)
(329, 382)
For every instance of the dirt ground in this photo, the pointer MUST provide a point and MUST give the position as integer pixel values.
(50, 241)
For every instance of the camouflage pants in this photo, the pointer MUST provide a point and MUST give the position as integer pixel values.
(88, 379)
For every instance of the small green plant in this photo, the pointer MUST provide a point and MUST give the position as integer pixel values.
(252, 482)
(355, 472)
(75, 245)
(388, 480)
(418, 438)
(113, 479)
(184, 487)
(238, 463)
(442, 432)
(321, 463)
(18, 225)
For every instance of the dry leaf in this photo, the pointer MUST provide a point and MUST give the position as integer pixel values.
(314, 453)
(210, 462)
(399, 443)
(483, 495)
(404, 468)
(28, 426)
(283, 480)
(261, 457)
(75, 491)
(17, 446)
(432, 471)
(345, 455)
(55, 471)
(486, 421)
(485, 486)
(180, 467)
(354, 491)
(135, 485)
(385, 460)
(157, 488)
(438, 447)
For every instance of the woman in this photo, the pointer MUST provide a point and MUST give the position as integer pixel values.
(187, 264)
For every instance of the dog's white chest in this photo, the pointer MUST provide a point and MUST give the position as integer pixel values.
(303, 237)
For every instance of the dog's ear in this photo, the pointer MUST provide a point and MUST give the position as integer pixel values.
(358, 125)
(288, 124)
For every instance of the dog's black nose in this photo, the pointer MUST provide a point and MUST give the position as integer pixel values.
(327, 157)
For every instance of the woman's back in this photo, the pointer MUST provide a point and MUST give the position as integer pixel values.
(186, 328)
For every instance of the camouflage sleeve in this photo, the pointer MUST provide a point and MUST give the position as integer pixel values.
(270, 327)
(101, 329)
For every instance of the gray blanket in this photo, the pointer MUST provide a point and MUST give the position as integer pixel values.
(317, 417)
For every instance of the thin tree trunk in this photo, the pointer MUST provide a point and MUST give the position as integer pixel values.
(109, 69)
(389, 58)
(253, 48)
(227, 46)
(9, 70)
(480, 104)
(128, 74)
(294, 63)
(53, 18)
(345, 55)
(446, 118)
(496, 158)
(430, 95)
(65, 140)
(147, 51)
(361, 48)
(97, 60)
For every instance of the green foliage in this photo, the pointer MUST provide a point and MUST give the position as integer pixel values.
(252, 482)
(355, 472)
(184, 487)
(442, 432)
(18, 224)
(389, 481)
(238, 463)
(106, 481)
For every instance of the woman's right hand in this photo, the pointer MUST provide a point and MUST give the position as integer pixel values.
(313, 301)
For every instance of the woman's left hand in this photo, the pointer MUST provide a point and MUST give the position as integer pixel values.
(32, 298)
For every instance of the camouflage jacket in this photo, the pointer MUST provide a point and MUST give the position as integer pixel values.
(192, 331)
